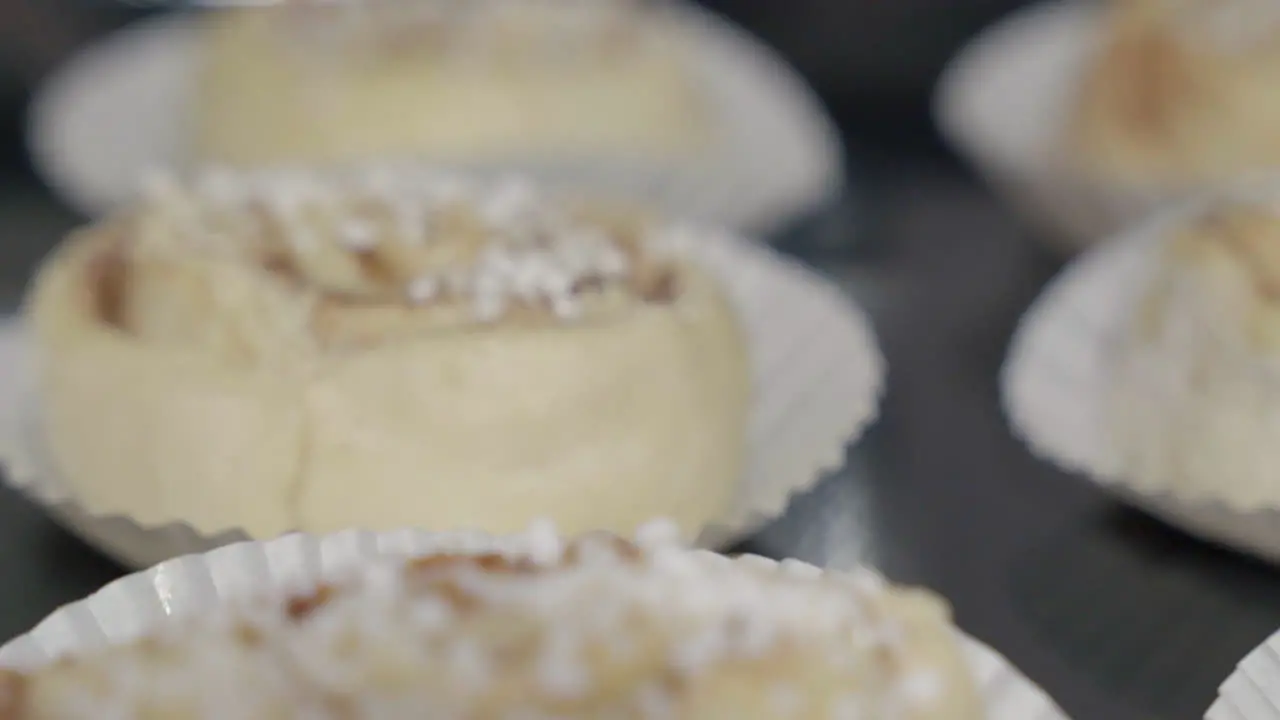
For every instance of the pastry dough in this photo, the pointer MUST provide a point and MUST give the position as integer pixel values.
(1195, 399)
(452, 80)
(593, 628)
(284, 351)
(1181, 93)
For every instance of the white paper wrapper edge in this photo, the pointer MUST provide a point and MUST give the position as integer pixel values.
(1252, 692)
(138, 603)
(819, 377)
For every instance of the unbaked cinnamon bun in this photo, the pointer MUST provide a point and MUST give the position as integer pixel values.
(1181, 93)
(1196, 377)
(452, 80)
(303, 351)
(594, 627)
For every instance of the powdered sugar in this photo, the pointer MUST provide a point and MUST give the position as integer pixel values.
(547, 612)
(509, 245)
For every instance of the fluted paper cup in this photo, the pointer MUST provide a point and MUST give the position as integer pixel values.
(1253, 690)
(120, 109)
(818, 376)
(1060, 380)
(187, 586)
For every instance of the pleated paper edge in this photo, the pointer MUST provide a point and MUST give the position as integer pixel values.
(1041, 336)
(761, 182)
(1252, 692)
(832, 394)
(139, 603)
(1072, 212)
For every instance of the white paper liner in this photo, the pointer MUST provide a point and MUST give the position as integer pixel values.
(1002, 103)
(1253, 690)
(818, 376)
(120, 108)
(139, 603)
(1055, 379)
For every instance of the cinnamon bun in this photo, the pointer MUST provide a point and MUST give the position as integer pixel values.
(1181, 93)
(305, 351)
(595, 627)
(1195, 392)
(452, 80)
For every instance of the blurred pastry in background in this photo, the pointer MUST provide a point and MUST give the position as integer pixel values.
(1196, 391)
(452, 80)
(595, 627)
(384, 348)
(1181, 93)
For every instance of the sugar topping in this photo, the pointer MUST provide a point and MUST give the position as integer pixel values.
(416, 236)
(562, 623)
(1244, 231)
(584, 592)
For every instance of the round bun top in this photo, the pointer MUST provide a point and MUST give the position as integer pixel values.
(491, 29)
(1243, 234)
(355, 258)
(590, 627)
(410, 235)
(1226, 25)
